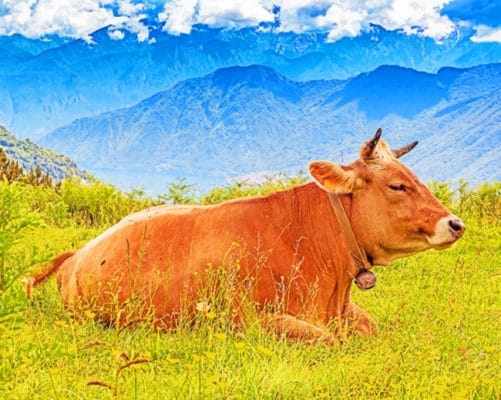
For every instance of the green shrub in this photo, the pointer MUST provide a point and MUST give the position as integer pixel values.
(244, 188)
(15, 216)
(482, 204)
(100, 204)
(443, 192)
(179, 192)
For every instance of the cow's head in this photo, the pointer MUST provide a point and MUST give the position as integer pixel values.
(392, 213)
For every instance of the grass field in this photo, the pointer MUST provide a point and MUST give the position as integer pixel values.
(439, 336)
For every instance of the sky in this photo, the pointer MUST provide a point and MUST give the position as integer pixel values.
(436, 19)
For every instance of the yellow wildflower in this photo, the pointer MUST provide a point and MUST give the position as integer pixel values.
(264, 350)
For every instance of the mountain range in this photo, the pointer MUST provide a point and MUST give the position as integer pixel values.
(16, 49)
(30, 155)
(239, 121)
(49, 82)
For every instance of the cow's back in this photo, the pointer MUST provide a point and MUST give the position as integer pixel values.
(163, 253)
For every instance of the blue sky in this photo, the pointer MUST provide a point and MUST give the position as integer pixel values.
(338, 18)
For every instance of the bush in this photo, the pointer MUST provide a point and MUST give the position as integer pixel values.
(100, 204)
(244, 188)
(179, 192)
(482, 204)
(15, 216)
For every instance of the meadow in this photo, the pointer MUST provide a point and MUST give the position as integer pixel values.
(438, 315)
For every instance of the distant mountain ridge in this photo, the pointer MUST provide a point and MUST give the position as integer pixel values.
(42, 88)
(17, 48)
(241, 120)
(29, 155)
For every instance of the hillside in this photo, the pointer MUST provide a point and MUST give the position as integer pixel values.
(30, 155)
(43, 89)
(242, 120)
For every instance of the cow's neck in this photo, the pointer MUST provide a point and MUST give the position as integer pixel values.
(313, 215)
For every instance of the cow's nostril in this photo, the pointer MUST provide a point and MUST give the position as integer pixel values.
(457, 225)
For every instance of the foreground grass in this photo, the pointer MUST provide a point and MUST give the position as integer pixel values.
(438, 314)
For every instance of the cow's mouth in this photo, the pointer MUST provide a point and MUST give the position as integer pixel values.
(445, 245)
(440, 245)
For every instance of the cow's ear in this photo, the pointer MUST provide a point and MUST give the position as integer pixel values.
(334, 177)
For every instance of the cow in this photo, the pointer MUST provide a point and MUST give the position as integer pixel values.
(285, 251)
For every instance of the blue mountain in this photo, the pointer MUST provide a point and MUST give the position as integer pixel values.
(42, 88)
(241, 120)
(17, 48)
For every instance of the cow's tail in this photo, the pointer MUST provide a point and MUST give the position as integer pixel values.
(30, 281)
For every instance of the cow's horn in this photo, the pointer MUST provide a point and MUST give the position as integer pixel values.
(370, 145)
(404, 150)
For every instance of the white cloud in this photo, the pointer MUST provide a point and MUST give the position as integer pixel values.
(134, 16)
(181, 15)
(348, 18)
(341, 21)
(126, 7)
(178, 16)
(116, 34)
(340, 18)
(134, 24)
(416, 16)
(485, 33)
(78, 19)
(233, 13)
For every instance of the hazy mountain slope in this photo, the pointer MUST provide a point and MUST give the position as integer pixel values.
(75, 79)
(20, 47)
(240, 120)
(30, 155)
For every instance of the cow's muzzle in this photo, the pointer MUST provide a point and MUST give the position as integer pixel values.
(456, 227)
(447, 231)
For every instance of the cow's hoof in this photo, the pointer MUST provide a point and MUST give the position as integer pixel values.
(365, 328)
(328, 339)
(361, 323)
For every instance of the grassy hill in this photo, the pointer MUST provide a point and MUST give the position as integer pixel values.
(31, 155)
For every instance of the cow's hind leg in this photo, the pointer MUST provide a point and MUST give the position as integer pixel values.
(296, 329)
(360, 322)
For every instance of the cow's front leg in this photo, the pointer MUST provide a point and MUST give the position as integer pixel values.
(292, 328)
(360, 322)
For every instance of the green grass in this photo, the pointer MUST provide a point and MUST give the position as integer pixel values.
(438, 314)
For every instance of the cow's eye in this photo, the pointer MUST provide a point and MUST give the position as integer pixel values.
(398, 186)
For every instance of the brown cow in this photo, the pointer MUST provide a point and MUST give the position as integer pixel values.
(284, 249)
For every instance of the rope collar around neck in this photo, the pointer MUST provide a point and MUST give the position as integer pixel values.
(364, 279)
